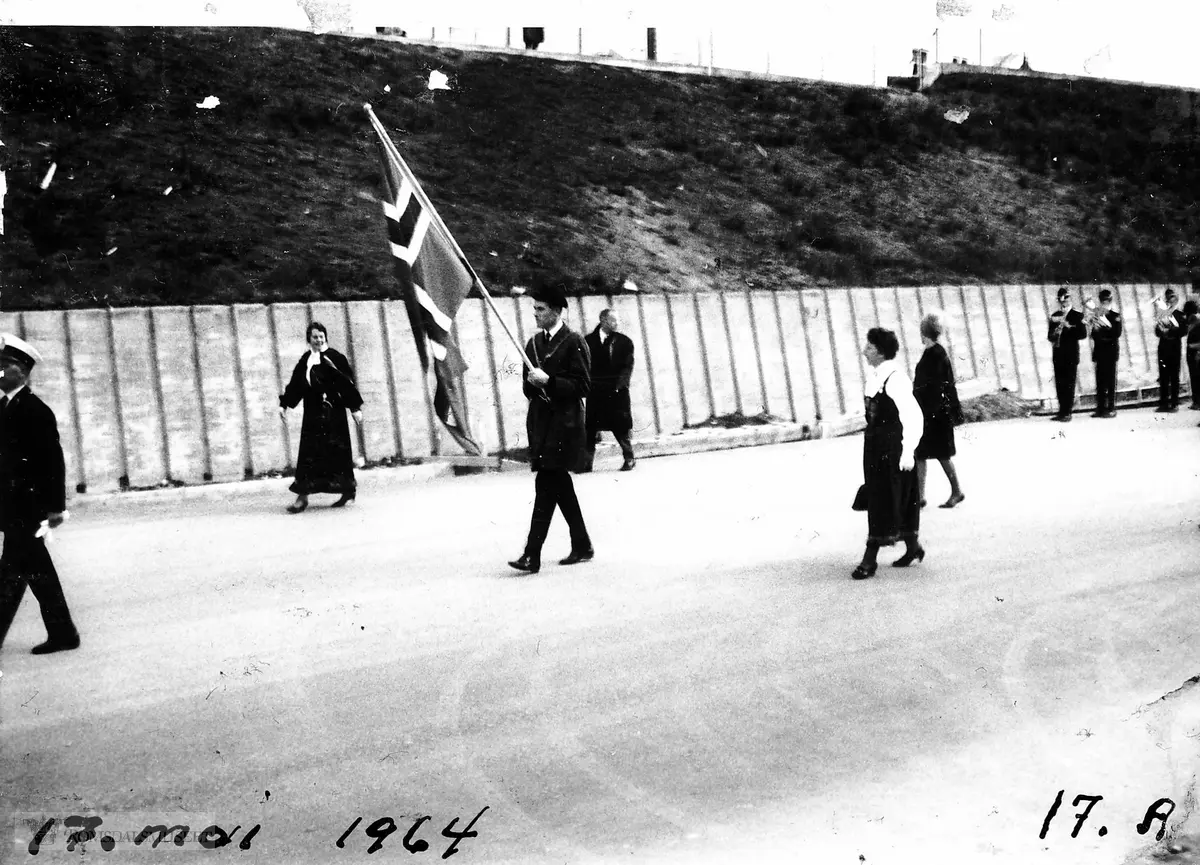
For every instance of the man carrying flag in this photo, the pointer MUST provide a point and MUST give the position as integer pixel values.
(555, 386)
(434, 278)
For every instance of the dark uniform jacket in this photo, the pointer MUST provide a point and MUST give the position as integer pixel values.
(608, 405)
(1066, 343)
(555, 422)
(1106, 341)
(32, 473)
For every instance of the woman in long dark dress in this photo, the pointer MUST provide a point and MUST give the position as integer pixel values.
(894, 427)
(936, 393)
(324, 381)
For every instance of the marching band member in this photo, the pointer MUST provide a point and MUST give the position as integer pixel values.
(1170, 330)
(1066, 330)
(1105, 325)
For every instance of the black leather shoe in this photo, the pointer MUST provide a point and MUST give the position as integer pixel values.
(862, 572)
(526, 563)
(629, 464)
(346, 499)
(298, 509)
(908, 558)
(578, 556)
(51, 646)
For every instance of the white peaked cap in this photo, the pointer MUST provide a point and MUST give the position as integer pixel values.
(15, 345)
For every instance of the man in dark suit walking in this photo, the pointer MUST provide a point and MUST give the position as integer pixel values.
(1106, 348)
(32, 497)
(555, 388)
(1170, 328)
(608, 406)
(1065, 332)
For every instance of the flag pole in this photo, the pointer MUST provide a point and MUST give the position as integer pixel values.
(428, 205)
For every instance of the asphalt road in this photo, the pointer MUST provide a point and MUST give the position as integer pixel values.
(712, 688)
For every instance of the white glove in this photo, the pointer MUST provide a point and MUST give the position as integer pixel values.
(44, 530)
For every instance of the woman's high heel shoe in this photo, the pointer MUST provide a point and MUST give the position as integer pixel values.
(297, 509)
(909, 557)
(343, 501)
(862, 572)
(952, 501)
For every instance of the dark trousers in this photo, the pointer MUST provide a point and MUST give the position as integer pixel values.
(1169, 352)
(1064, 382)
(26, 562)
(621, 437)
(1193, 365)
(554, 488)
(1106, 383)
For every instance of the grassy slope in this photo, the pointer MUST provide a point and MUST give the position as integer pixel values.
(594, 173)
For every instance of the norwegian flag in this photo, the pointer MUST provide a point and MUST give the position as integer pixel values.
(434, 279)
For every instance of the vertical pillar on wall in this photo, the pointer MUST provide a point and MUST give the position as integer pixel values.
(1037, 372)
(279, 382)
(762, 378)
(349, 325)
(81, 484)
(678, 362)
(900, 330)
(119, 414)
(733, 365)
(1124, 330)
(390, 374)
(1012, 340)
(491, 358)
(712, 404)
(1141, 320)
(649, 365)
(837, 371)
(158, 394)
(812, 364)
(962, 300)
(987, 319)
(204, 440)
(787, 372)
(239, 382)
(858, 349)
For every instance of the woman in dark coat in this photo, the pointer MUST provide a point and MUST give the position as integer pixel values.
(324, 381)
(933, 386)
(894, 426)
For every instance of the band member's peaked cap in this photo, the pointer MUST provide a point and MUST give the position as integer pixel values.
(551, 295)
(19, 349)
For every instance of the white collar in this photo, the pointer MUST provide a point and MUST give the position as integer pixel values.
(13, 393)
(877, 376)
(552, 332)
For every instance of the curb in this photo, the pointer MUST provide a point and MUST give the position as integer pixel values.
(1138, 396)
(368, 479)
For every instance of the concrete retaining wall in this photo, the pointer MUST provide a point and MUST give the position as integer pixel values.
(148, 397)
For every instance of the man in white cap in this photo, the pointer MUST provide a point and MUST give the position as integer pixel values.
(32, 494)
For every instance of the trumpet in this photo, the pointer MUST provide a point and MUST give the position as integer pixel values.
(1061, 325)
(1164, 313)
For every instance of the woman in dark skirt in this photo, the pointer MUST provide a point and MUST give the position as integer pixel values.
(894, 427)
(933, 386)
(324, 381)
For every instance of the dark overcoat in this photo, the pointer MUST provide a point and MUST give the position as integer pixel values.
(937, 395)
(326, 462)
(32, 472)
(608, 405)
(555, 421)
